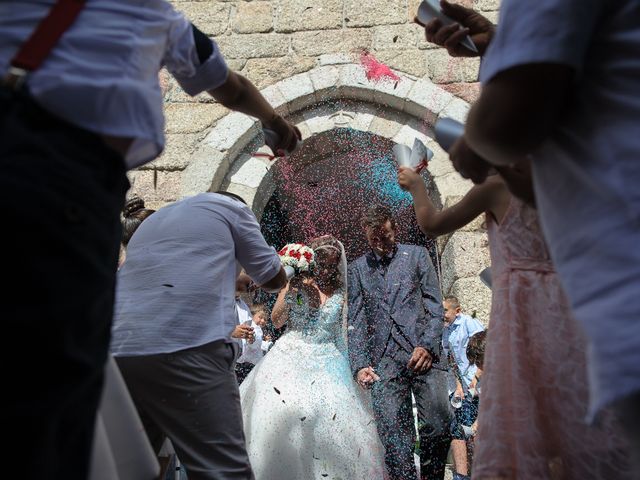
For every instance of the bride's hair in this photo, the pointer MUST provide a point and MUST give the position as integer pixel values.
(328, 243)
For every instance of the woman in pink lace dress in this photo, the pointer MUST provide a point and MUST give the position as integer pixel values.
(535, 394)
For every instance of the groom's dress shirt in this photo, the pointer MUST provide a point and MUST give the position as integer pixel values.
(384, 262)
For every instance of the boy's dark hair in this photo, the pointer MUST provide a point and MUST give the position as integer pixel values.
(377, 216)
(452, 301)
(475, 348)
(232, 195)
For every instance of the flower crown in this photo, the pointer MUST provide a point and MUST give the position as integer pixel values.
(298, 256)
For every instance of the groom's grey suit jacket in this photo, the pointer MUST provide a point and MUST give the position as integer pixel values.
(406, 292)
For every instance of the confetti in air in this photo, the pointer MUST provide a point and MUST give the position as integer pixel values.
(325, 188)
(330, 194)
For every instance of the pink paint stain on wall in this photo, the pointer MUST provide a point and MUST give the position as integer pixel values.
(375, 70)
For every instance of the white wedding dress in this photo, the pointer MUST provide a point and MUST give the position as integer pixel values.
(304, 416)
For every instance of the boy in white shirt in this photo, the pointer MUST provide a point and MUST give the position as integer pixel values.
(253, 349)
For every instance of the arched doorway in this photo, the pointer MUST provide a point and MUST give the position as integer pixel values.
(327, 186)
(331, 98)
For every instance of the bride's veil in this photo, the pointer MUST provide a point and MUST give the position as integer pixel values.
(342, 268)
(345, 296)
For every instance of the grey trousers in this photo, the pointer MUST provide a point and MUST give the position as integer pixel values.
(192, 397)
(394, 417)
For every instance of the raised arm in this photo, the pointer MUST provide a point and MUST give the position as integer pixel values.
(239, 94)
(280, 311)
(491, 196)
(210, 73)
(517, 110)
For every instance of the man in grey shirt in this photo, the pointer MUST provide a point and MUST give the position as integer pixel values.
(174, 315)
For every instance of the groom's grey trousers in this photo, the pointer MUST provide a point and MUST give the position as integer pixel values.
(394, 415)
(192, 397)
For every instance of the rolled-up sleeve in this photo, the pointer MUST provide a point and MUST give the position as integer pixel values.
(541, 31)
(181, 59)
(259, 260)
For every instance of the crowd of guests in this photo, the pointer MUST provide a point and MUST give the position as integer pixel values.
(551, 146)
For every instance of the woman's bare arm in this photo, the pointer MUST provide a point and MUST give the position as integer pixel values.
(280, 311)
(490, 196)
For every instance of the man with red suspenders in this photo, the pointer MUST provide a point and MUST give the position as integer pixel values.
(80, 104)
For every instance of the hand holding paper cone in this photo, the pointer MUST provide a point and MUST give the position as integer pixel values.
(430, 10)
(415, 158)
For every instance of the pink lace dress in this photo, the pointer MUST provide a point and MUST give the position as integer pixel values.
(534, 390)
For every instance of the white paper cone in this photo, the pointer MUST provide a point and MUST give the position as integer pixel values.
(447, 132)
(419, 153)
(430, 9)
(402, 155)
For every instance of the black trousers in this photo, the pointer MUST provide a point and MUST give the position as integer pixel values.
(394, 417)
(61, 193)
(192, 397)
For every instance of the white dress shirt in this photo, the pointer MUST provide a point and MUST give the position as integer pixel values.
(587, 173)
(177, 288)
(102, 75)
(251, 352)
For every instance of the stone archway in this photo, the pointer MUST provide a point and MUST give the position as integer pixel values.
(339, 96)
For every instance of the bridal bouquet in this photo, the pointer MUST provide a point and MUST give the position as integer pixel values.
(297, 256)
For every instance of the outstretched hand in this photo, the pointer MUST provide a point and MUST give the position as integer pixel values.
(408, 178)
(289, 135)
(420, 360)
(244, 332)
(367, 377)
(470, 22)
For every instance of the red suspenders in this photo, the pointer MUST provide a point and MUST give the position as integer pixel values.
(36, 49)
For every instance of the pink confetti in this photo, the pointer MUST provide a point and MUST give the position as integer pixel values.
(375, 70)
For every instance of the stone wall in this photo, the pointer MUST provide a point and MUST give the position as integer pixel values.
(272, 40)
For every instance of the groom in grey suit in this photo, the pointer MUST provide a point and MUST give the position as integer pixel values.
(395, 333)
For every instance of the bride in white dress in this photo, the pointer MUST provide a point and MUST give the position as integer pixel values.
(305, 417)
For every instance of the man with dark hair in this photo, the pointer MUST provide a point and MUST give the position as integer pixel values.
(174, 317)
(376, 216)
(395, 332)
